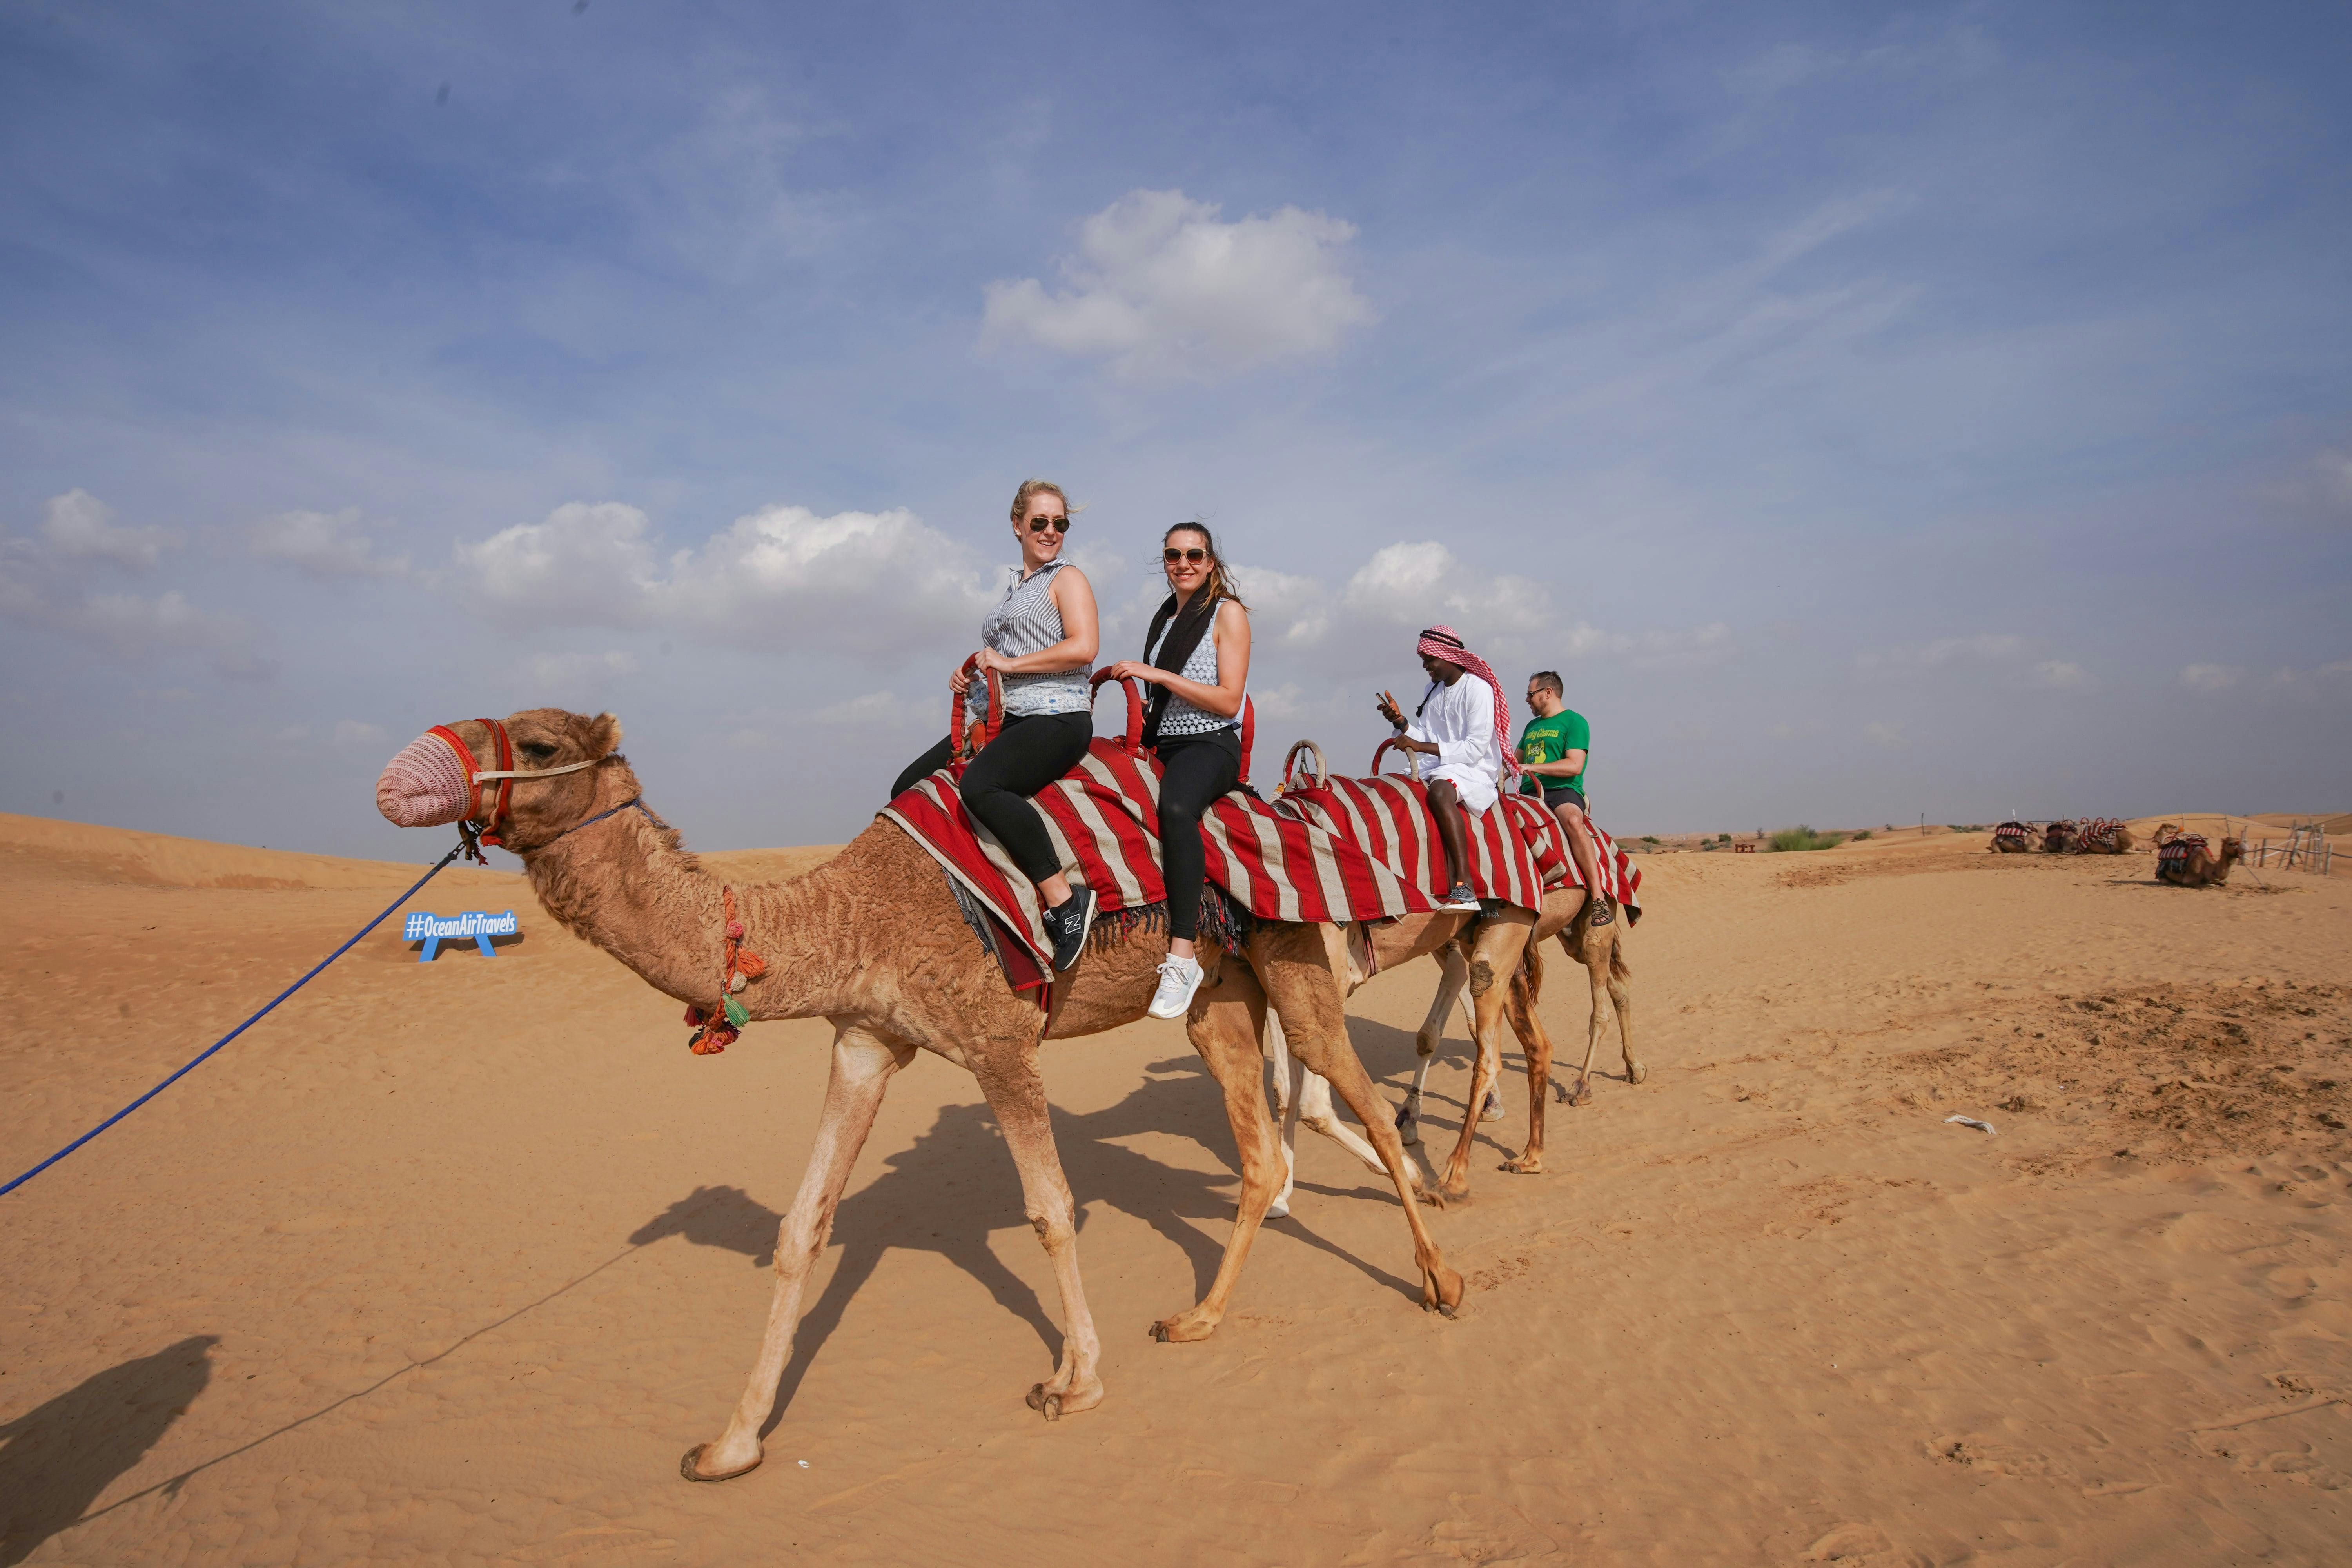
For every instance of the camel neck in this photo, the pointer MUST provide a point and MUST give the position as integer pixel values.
(623, 885)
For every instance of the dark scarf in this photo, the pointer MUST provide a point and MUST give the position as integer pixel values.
(1190, 628)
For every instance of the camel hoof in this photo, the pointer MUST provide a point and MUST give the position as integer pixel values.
(1175, 1331)
(1520, 1165)
(693, 1455)
(1636, 1073)
(1583, 1095)
(1047, 1404)
(1492, 1110)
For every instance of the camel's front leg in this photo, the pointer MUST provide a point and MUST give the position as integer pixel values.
(1288, 1089)
(1453, 974)
(1499, 944)
(1536, 1045)
(862, 1067)
(1225, 1032)
(1009, 1077)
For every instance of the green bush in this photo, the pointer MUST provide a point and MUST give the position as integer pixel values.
(1723, 839)
(1789, 838)
(1966, 826)
(1649, 838)
(1861, 836)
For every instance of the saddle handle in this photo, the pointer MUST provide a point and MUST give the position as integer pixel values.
(991, 725)
(1132, 742)
(1412, 758)
(1290, 779)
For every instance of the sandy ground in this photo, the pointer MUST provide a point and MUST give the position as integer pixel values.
(449, 1263)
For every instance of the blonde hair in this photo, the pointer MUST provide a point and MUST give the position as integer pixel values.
(1220, 584)
(1032, 487)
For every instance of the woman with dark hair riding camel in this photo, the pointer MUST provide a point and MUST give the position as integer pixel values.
(1041, 640)
(1196, 657)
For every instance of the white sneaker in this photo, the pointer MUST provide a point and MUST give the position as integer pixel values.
(1179, 978)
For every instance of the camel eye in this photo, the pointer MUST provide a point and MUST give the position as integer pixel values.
(538, 751)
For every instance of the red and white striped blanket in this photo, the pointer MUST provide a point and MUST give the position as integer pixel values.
(1367, 853)
(2097, 830)
(2013, 830)
(2176, 850)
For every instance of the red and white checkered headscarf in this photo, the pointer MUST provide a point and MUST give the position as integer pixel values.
(1446, 643)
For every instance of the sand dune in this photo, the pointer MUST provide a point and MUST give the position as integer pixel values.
(450, 1262)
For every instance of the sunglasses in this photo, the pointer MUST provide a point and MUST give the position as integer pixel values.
(1173, 555)
(1058, 524)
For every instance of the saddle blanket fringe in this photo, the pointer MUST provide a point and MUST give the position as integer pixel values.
(1369, 853)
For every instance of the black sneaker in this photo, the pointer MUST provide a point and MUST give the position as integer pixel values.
(1068, 924)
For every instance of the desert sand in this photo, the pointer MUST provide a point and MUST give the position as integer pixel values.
(449, 1263)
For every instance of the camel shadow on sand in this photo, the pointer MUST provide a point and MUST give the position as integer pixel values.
(57, 1458)
(963, 1153)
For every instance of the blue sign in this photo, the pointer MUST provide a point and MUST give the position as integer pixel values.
(434, 930)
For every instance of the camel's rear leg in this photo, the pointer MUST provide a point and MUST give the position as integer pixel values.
(1227, 1031)
(1620, 997)
(1453, 974)
(1499, 943)
(1303, 1095)
(1536, 1046)
(862, 1067)
(1015, 1089)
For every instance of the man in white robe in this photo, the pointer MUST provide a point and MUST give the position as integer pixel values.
(1460, 723)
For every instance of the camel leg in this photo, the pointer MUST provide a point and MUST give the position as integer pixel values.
(862, 1068)
(1225, 1032)
(1288, 1089)
(1326, 1049)
(1620, 997)
(1536, 1045)
(1453, 974)
(1491, 1107)
(1500, 943)
(1015, 1089)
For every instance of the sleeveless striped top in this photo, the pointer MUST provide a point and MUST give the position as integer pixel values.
(1026, 621)
(1179, 717)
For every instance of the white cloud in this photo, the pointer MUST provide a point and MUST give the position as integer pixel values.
(323, 544)
(77, 525)
(781, 577)
(1163, 287)
(584, 562)
(2062, 674)
(2210, 677)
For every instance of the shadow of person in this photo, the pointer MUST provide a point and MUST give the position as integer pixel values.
(60, 1456)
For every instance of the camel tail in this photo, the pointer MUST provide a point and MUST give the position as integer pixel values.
(1531, 969)
(1618, 968)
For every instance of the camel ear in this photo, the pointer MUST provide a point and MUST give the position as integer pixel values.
(603, 735)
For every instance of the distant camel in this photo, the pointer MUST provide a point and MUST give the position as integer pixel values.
(2104, 836)
(2012, 838)
(2058, 838)
(2186, 861)
(872, 941)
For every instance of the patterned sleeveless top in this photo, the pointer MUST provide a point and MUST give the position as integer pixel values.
(1179, 717)
(1027, 622)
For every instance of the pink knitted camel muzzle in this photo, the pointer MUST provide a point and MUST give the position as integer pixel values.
(432, 781)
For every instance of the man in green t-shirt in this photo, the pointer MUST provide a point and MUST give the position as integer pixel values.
(1552, 752)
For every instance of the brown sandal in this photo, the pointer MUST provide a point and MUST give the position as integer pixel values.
(1603, 913)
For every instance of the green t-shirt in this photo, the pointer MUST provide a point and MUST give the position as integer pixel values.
(1548, 740)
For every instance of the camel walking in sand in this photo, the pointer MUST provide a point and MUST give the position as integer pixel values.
(2186, 860)
(873, 942)
(1301, 1096)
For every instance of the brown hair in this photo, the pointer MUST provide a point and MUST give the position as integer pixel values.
(1030, 488)
(1220, 584)
(1548, 679)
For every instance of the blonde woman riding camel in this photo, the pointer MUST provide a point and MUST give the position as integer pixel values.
(1196, 656)
(1041, 640)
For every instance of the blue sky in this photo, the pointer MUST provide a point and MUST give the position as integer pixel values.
(1872, 412)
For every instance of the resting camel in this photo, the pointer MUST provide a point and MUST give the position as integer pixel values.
(2104, 838)
(2058, 838)
(2013, 838)
(2196, 865)
(873, 942)
(1308, 1098)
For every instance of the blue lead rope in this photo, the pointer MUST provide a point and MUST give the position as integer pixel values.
(233, 1033)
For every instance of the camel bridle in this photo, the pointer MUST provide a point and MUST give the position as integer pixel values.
(478, 828)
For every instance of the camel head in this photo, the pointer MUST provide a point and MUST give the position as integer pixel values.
(2232, 849)
(426, 785)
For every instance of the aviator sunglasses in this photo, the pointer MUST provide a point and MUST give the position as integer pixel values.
(1173, 555)
(1058, 524)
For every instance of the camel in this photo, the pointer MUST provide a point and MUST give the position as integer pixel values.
(1302, 1096)
(873, 942)
(2058, 838)
(2104, 838)
(2013, 838)
(2195, 864)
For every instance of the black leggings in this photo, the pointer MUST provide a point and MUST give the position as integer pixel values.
(1196, 771)
(1031, 752)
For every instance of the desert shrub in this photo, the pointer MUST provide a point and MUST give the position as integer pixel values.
(1861, 836)
(1789, 838)
(1649, 838)
(1723, 839)
(1966, 826)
